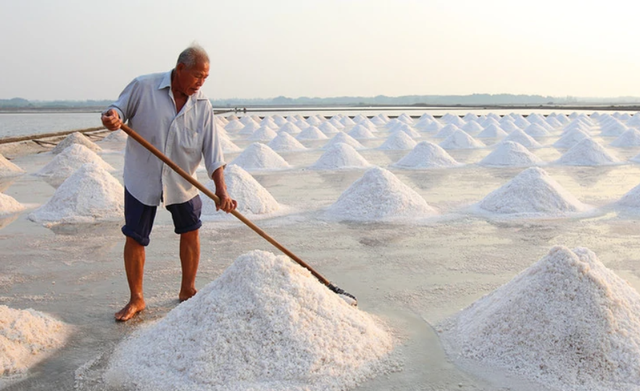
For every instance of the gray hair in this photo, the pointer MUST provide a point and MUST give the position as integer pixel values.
(190, 56)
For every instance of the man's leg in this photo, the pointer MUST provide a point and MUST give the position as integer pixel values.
(189, 258)
(134, 257)
(187, 223)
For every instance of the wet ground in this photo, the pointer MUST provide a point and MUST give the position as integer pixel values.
(412, 274)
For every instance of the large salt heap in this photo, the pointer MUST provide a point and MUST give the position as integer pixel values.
(75, 138)
(340, 156)
(312, 133)
(9, 169)
(398, 141)
(511, 153)
(567, 322)
(264, 324)
(532, 192)
(258, 156)
(90, 194)
(427, 155)
(571, 137)
(342, 137)
(630, 138)
(379, 195)
(361, 132)
(587, 153)
(286, 142)
(68, 161)
(252, 197)
(523, 139)
(26, 337)
(460, 140)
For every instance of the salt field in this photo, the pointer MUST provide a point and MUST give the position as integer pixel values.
(500, 254)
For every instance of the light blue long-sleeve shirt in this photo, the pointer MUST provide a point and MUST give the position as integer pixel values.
(148, 104)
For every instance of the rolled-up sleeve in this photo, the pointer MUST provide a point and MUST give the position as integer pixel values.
(211, 146)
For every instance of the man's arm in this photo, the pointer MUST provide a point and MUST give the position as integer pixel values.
(226, 203)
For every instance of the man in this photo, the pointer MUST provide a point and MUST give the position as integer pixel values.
(168, 110)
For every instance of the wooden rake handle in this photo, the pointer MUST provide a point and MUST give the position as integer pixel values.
(133, 134)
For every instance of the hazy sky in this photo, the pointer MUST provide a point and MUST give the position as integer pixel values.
(80, 49)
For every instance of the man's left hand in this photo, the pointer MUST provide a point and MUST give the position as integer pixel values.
(227, 204)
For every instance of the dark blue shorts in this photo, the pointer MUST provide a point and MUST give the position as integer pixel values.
(139, 217)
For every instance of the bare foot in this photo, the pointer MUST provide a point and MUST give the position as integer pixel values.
(186, 294)
(130, 310)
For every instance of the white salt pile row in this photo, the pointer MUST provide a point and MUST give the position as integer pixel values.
(90, 194)
(75, 138)
(566, 322)
(251, 196)
(459, 139)
(532, 192)
(587, 152)
(264, 324)
(344, 138)
(379, 195)
(9, 169)
(9, 205)
(68, 161)
(340, 156)
(26, 337)
(511, 153)
(258, 156)
(427, 155)
(399, 140)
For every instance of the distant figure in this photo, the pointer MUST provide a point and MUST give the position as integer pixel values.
(168, 110)
(244, 110)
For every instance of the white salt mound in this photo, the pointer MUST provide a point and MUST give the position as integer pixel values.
(9, 169)
(312, 133)
(90, 194)
(631, 199)
(460, 139)
(264, 133)
(9, 205)
(228, 146)
(523, 139)
(532, 192)
(68, 161)
(343, 138)
(340, 156)
(566, 322)
(361, 132)
(398, 141)
(258, 156)
(427, 155)
(117, 136)
(587, 153)
(251, 196)
(75, 138)
(510, 153)
(630, 138)
(571, 138)
(265, 324)
(379, 195)
(286, 142)
(26, 337)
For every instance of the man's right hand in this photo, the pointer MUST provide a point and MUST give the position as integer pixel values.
(111, 120)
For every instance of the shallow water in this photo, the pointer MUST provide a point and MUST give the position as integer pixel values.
(411, 274)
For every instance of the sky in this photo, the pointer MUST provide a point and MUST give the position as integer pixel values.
(79, 49)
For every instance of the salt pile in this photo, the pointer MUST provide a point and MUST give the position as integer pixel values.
(346, 121)
(523, 139)
(264, 324)
(27, 336)
(8, 169)
(340, 156)
(343, 138)
(613, 129)
(250, 127)
(379, 195)
(75, 138)
(117, 136)
(68, 161)
(587, 153)
(434, 126)
(536, 130)
(510, 153)
(251, 196)
(446, 131)
(361, 132)
(427, 155)
(328, 128)
(631, 199)
(90, 194)
(228, 146)
(409, 130)
(492, 131)
(566, 322)
(460, 140)
(571, 138)
(472, 127)
(398, 141)
(9, 205)
(312, 133)
(290, 128)
(286, 142)
(234, 126)
(532, 191)
(630, 138)
(258, 156)
(264, 133)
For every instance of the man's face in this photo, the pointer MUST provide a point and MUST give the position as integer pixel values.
(189, 80)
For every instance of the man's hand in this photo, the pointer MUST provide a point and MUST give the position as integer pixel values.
(226, 203)
(111, 120)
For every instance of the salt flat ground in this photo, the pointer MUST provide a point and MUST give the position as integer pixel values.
(412, 274)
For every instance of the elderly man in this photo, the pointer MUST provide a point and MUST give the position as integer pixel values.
(168, 110)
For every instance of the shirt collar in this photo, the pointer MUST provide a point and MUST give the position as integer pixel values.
(165, 82)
